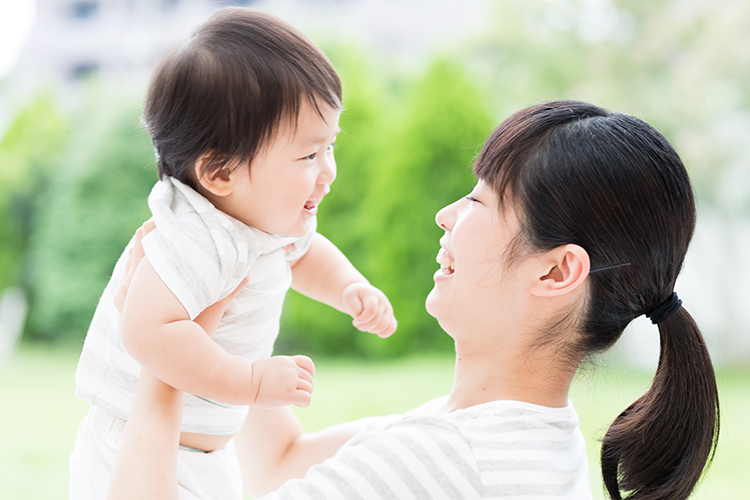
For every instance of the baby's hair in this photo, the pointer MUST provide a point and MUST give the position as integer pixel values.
(226, 91)
(610, 183)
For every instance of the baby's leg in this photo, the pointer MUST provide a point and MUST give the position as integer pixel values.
(200, 476)
(214, 476)
(94, 454)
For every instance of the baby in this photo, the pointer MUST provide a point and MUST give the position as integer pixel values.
(243, 117)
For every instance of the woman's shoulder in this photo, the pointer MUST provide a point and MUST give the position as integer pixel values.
(507, 414)
(518, 411)
(525, 447)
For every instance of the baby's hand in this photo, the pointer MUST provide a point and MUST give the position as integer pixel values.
(283, 380)
(370, 308)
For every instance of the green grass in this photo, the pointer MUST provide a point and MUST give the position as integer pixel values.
(41, 414)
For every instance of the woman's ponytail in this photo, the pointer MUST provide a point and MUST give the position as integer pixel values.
(658, 447)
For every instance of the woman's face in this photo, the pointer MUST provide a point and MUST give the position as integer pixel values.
(473, 287)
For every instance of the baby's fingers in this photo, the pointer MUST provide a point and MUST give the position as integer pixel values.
(383, 326)
(386, 327)
(302, 398)
(303, 395)
(306, 364)
(369, 314)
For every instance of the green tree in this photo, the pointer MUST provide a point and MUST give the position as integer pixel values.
(93, 203)
(31, 144)
(424, 166)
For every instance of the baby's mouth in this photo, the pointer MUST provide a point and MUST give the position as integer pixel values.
(446, 261)
(311, 206)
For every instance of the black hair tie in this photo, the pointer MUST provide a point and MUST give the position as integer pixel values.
(661, 312)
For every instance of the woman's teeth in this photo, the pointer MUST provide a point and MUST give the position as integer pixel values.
(310, 205)
(446, 261)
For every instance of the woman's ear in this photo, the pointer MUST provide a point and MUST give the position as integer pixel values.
(217, 181)
(565, 269)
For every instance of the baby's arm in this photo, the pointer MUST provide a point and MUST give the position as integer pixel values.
(326, 275)
(158, 333)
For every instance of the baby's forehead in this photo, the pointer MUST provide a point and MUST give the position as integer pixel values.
(310, 127)
(310, 138)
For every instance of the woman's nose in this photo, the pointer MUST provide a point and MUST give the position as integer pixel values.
(446, 217)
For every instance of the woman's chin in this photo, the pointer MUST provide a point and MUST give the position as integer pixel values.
(432, 303)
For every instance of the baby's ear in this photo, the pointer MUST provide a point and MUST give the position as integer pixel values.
(566, 268)
(217, 180)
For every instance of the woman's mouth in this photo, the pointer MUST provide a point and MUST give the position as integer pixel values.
(446, 262)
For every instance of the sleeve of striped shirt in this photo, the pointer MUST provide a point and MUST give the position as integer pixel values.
(417, 458)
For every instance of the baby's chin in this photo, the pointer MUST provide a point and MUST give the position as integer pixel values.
(298, 230)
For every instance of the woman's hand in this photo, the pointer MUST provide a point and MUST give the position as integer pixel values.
(135, 256)
(211, 316)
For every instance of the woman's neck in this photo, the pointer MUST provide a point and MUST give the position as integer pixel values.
(483, 375)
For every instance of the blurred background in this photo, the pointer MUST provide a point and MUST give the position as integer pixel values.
(424, 83)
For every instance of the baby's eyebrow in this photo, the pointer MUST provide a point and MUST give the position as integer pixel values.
(319, 139)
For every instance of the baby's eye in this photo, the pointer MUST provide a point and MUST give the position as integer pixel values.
(311, 156)
(331, 146)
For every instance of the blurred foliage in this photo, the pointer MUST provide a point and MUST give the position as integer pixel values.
(681, 65)
(73, 189)
(425, 167)
(28, 150)
(90, 206)
(397, 168)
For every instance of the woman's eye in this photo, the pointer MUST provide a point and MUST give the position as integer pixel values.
(471, 198)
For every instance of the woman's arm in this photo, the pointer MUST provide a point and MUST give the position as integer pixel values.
(146, 463)
(412, 458)
(273, 448)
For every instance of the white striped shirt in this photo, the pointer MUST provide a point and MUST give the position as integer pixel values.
(503, 449)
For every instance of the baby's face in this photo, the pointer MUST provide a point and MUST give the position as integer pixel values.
(289, 178)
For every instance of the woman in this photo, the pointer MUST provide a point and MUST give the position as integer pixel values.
(578, 224)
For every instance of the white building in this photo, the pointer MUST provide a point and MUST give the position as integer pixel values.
(72, 39)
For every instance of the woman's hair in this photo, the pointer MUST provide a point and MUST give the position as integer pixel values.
(610, 183)
(227, 89)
